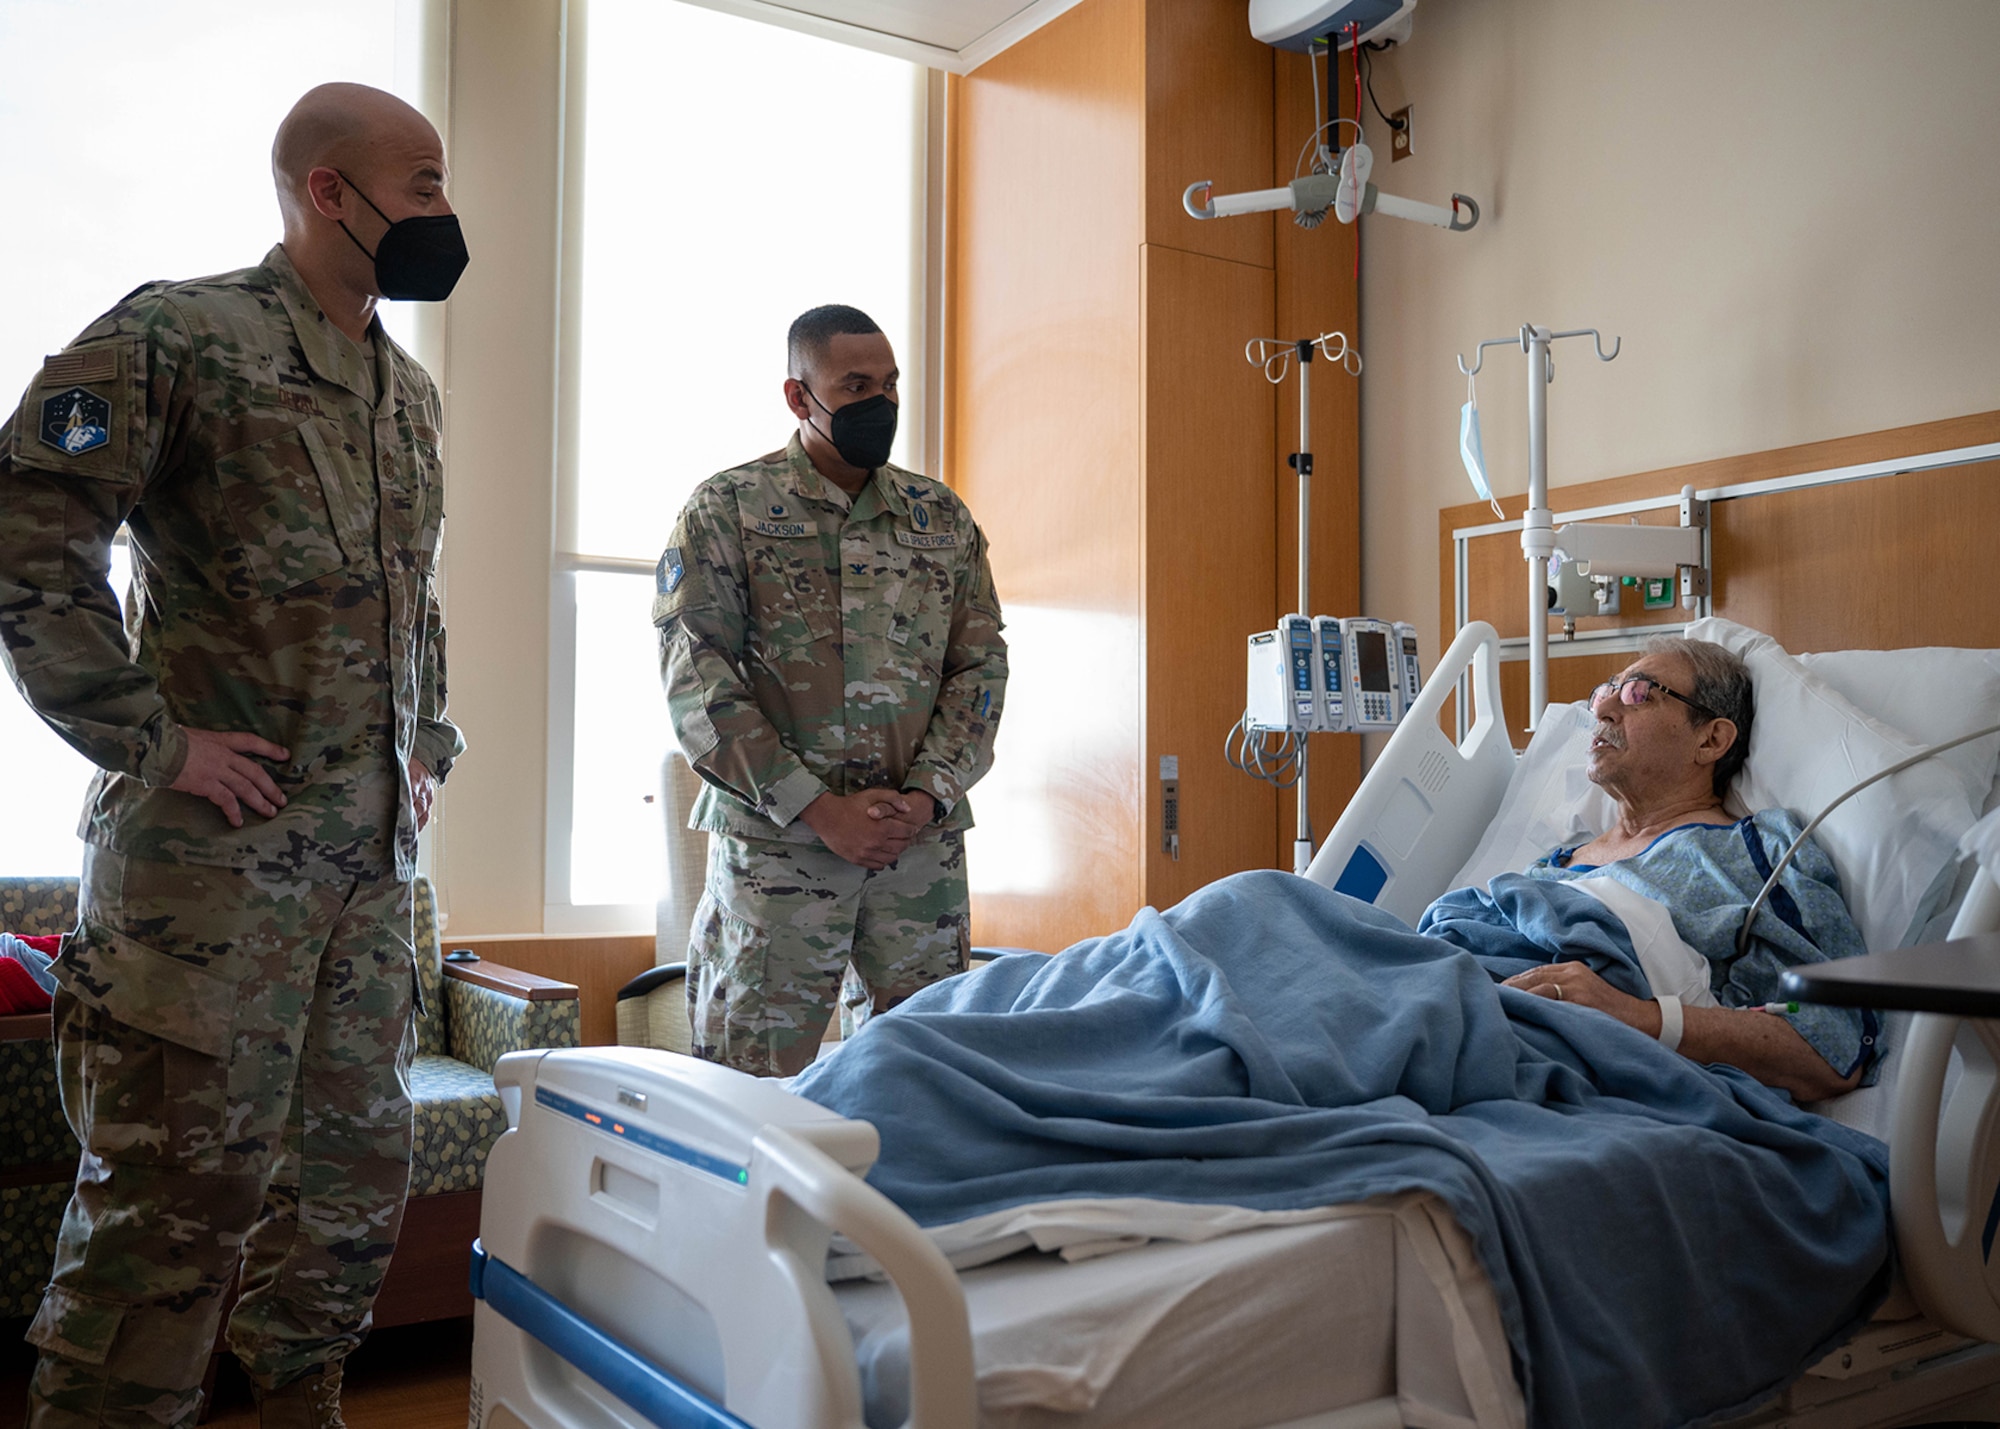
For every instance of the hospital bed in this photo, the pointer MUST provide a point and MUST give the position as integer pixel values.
(656, 1229)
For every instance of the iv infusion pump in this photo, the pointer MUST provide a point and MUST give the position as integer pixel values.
(1328, 674)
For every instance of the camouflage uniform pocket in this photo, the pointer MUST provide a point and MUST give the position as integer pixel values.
(177, 1001)
(143, 1043)
(790, 607)
(77, 1327)
(287, 509)
(726, 975)
(135, 1099)
(922, 623)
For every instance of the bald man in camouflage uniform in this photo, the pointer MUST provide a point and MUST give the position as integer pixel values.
(233, 1025)
(830, 645)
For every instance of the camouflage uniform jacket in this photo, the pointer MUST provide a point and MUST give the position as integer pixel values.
(284, 525)
(809, 644)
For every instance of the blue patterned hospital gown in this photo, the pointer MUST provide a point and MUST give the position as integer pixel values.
(1706, 875)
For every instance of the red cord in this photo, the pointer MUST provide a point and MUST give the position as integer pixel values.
(1354, 48)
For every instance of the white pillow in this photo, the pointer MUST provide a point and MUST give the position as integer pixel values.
(1895, 844)
(1549, 800)
(1982, 843)
(1931, 695)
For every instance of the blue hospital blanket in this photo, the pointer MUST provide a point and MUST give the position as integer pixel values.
(1665, 1241)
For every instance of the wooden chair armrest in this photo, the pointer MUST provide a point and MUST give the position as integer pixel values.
(529, 987)
(26, 1027)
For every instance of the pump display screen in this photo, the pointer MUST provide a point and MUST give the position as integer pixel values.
(1372, 647)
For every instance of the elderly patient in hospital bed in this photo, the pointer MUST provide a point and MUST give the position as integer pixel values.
(1672, 731)
(1669, 1234)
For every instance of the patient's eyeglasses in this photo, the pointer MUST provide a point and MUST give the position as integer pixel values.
(1638, 689)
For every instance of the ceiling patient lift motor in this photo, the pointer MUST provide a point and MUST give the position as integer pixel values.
(1339, 182)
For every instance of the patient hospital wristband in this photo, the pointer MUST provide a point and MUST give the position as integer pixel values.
(1670, 1022)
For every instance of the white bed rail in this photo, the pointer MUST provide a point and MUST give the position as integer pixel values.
(941, 1370)
(1944, 1157)
(1420, 813)
(652, 1251)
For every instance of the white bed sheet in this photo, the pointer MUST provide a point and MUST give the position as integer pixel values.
(1264, 1327)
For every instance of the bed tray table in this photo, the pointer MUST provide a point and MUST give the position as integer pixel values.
(1959, 977)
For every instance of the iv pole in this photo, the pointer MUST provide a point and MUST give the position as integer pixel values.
(1275, 357)
(1538, 537)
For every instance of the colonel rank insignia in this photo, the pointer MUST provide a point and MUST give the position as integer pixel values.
(76, 421)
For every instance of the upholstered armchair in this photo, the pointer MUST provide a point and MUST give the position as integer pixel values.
(652, 1007)
(478, 1011)
(37, 1153)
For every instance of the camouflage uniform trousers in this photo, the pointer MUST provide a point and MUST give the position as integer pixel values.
(233, 1049)
(780, 923)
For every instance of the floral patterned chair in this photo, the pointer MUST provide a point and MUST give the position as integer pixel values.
(477, 1012)
(37, 1153)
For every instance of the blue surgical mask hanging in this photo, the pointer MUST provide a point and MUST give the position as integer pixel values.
(1470, 451)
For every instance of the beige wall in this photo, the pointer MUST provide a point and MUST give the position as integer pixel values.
(1790, 211)
(499, 373)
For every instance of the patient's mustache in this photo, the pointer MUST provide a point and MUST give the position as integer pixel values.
(1610, 734)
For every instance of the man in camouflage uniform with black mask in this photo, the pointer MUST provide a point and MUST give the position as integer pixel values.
(830, 645)
(233, 1025)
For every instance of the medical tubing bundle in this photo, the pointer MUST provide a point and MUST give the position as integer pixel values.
(1778, 869)
(1252, 751)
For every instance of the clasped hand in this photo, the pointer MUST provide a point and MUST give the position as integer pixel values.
(870, 828)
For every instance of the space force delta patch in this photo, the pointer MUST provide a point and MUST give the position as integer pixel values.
(75, 421)
(927, 540)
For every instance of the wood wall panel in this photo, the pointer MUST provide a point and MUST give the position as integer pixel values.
(1208, 116)
(598, 967)
(1043, 441)
(1123, 458)
(1209, 528)
(1878, 564)
(1316, 293)
(1871, 565)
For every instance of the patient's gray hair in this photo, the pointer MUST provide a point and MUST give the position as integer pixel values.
(1722, 685)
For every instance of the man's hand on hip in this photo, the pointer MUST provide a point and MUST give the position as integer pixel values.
(423, 789)
(219, 769)
(849, 825)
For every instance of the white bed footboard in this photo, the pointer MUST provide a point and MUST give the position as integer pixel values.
(1420, 813)
(653, 1246)
(1944, 1167)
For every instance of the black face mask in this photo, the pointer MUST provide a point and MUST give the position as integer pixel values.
(862, 431)
(418, 259)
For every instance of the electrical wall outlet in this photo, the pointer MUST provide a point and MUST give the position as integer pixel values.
(1399, 141)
